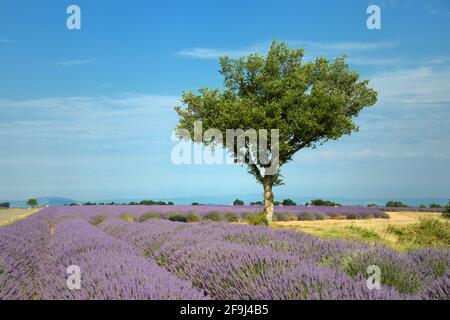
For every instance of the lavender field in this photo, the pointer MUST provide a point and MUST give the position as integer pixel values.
(293, 212)
(162, 259)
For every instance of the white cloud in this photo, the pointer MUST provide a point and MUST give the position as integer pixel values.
(317, 48)
(71, 63)
(3, 40)
(420, 86)
(127, 120)
(215, 53)
(348, 45)
(87, 143)
(376, 62)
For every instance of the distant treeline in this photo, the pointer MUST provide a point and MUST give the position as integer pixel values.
(399, 204)
(142, 203)
(238, 202)
(5, 205)
(290, 202)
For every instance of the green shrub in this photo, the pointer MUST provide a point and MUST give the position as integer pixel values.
(149, 215)
(193, 217)
(128, 217)
(238, 202)
(231, 217)
(428, 232)
(257, 219)
(435, 206)
(245, 215)
(306, 216)
(422, 206)
(354, 216)
(363, 233)
(176, 216)
(213, 216)
(281, 216)
(97, 220)
(320, 216)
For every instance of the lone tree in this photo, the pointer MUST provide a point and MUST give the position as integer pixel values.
(32, 203)
(308, 102)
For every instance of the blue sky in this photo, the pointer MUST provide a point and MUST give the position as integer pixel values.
(88, 113)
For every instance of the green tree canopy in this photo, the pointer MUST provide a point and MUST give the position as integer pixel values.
(308, 102)
(325, 203)
(396, 204)
(32, 203)
(288, 202)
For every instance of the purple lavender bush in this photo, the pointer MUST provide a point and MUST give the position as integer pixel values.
(111, 269)
(213, 212)
(151, 258)
(248, 258)
(37, 251)
(22, 249)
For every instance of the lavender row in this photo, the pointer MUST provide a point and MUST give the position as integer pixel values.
(111, 268)
(281, 213)
(37, 251)
(22, 249)
(223, 261)
(245, 262)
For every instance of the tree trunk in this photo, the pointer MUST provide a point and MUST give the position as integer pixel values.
(268, 199)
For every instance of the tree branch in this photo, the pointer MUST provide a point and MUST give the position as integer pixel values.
(254, 168)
